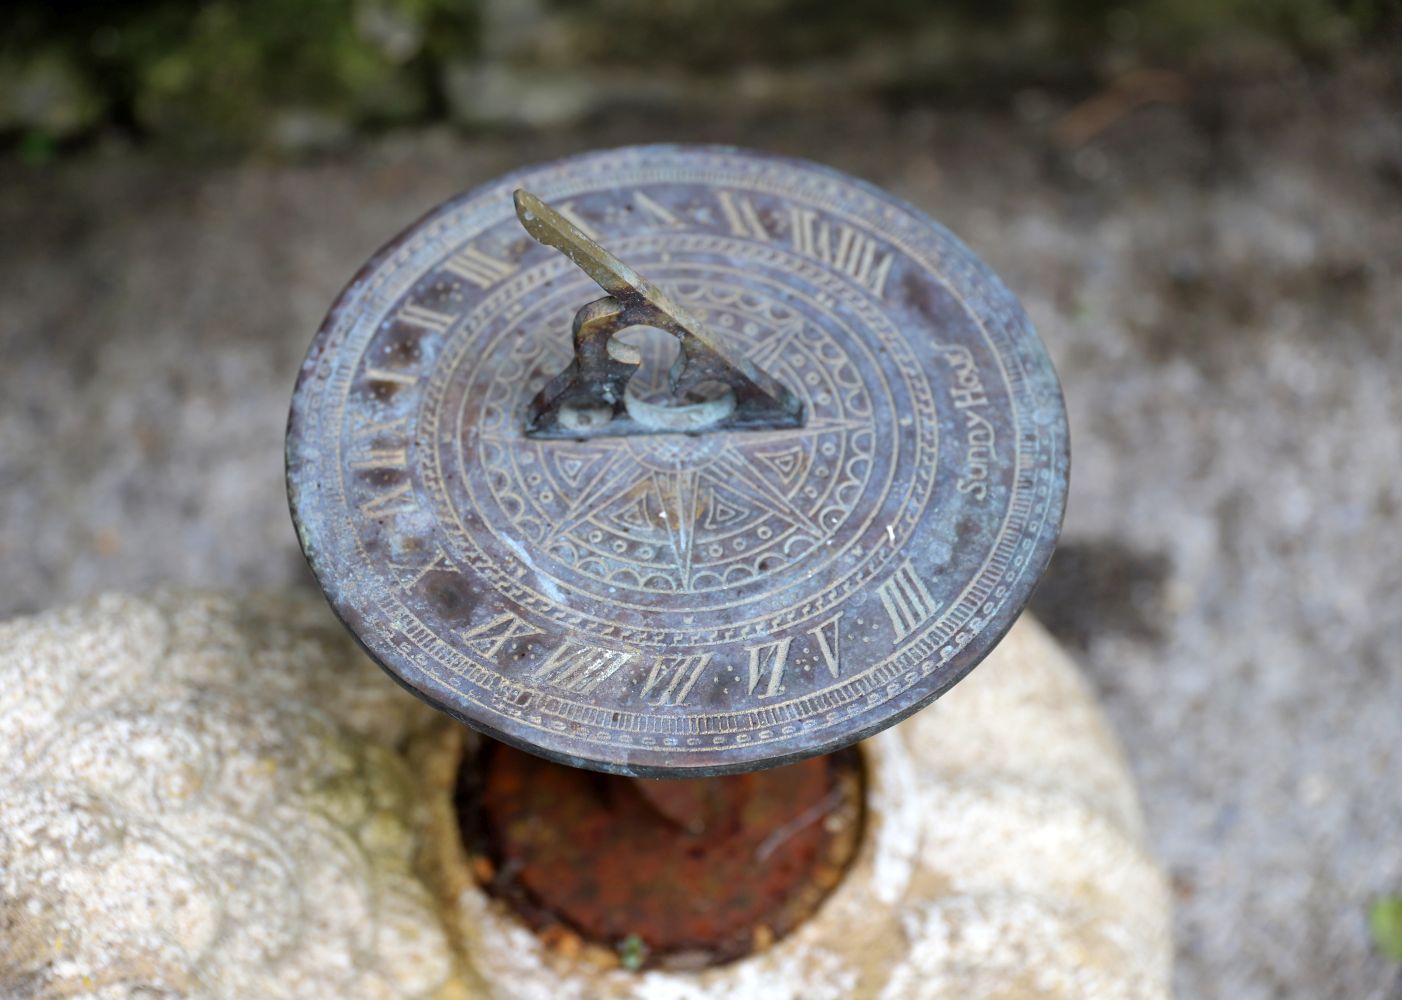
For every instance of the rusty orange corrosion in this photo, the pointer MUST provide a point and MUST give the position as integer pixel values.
(676, 873)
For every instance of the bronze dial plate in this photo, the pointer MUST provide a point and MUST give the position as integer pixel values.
(680, 604)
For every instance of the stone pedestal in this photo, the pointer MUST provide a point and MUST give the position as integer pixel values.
(209, 796)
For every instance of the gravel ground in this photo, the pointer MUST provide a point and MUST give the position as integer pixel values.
(1217, 278)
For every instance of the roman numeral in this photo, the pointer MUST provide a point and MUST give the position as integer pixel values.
(393, 501)
(767, 662)
(398, 497)
(399, 426)
(481, 269)
(652, 208)
(488, 638)
(827, 638)
(579, 668)
(843, 248)
(439, 561)
(380, 458)
(906, 600)
(741, 216)
(671, 678)
(424, 318)
(389, 375)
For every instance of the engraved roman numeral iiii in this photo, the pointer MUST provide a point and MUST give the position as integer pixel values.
(380, 458)
(390, 455)
(906, 600)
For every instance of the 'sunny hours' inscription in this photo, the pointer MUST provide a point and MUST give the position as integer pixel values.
(675, 605)
(970, 398)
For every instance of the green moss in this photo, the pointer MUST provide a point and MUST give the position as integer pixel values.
(220, 73)
(46, 92)
(714, 34)
(1385, 924)
(36, 148)
(231, 74)
(632, 953)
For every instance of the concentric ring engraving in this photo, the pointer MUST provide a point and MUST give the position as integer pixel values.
(690, 522)
(679, 604)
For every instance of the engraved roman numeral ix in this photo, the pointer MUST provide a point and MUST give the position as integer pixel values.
(488, 638)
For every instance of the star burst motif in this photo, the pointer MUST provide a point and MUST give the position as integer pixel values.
(658, 502)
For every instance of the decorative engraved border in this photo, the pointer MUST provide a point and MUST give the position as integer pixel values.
(876, 697)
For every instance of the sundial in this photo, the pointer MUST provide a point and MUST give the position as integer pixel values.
(677, 461)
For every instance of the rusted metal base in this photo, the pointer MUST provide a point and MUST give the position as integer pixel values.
(664, 873)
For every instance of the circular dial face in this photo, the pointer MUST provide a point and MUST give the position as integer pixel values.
(680, 604)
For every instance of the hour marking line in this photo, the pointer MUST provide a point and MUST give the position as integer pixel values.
(473, 265)
(652, 208)
(741, 216)
(390, 375)
(680, 674)
(907, 601)
(425, 318)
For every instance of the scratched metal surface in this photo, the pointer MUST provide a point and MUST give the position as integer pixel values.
(680, 604)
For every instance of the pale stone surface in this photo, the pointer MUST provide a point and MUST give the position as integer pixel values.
(200, 798)
(1002, 859)
(211, 797)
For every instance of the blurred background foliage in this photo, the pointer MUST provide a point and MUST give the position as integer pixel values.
(302, 75)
